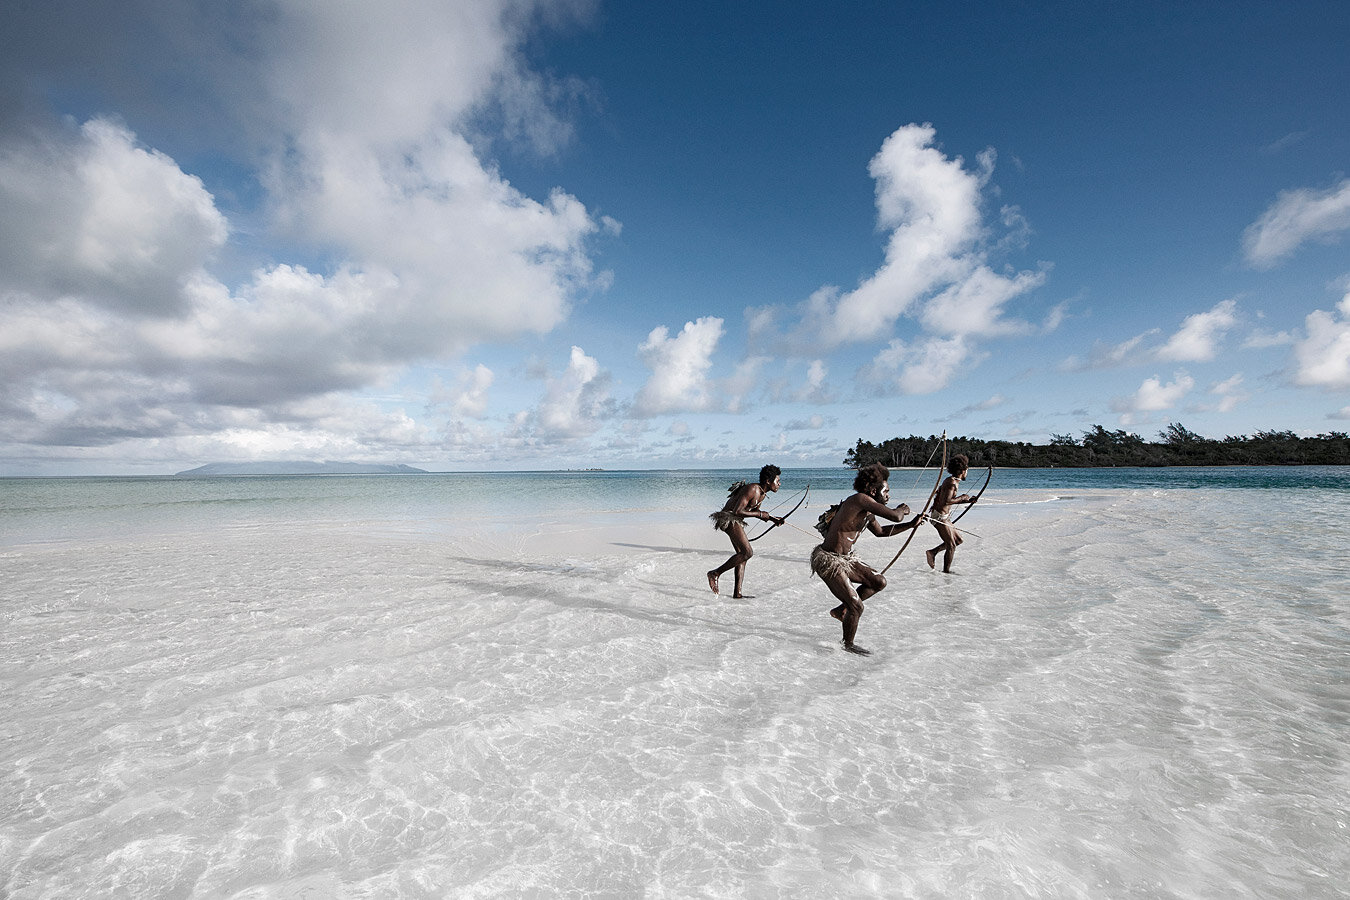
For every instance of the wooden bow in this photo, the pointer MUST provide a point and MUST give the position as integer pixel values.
(931, 494)
(987, 479)
(774, 525)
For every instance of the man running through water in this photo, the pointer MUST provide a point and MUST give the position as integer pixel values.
(833, 560)
(741, 505)
(941, 513)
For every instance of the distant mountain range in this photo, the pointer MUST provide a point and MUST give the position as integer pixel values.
(300, 467)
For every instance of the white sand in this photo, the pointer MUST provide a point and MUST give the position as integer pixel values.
(560, 707)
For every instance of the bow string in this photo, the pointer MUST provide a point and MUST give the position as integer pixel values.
(931, 494)
(773, 525)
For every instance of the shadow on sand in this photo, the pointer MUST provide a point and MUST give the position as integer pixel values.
(569, 599)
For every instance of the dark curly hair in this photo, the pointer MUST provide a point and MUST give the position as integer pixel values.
(958, 464)
(769, 473)
(870, 478)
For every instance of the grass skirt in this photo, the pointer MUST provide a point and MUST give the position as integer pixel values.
(722, 520)
(828, 565)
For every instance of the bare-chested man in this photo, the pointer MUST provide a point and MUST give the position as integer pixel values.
(941, 513)
(834, 561)
(741, 505)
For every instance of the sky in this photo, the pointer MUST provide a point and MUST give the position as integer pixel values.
(512, 235)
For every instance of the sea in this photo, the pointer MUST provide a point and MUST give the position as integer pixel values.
(1134, 684)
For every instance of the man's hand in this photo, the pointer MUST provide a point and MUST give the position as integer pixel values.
(777, 520)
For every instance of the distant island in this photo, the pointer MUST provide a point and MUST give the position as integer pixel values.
(1176, 446)
(300, 467)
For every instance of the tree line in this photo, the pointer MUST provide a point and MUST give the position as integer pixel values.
(1176, 446)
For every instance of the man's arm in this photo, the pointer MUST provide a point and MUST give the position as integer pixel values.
(882, 511)
(898, 527)
(749, 504)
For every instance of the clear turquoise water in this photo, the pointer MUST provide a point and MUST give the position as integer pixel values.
(43, 509)
(520, 685)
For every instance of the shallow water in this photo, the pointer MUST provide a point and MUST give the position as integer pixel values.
(334, 688)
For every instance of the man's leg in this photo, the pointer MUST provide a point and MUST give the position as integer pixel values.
(950, 539)
(736, 561)
(870, 581)
(849, 611)
(931, 555)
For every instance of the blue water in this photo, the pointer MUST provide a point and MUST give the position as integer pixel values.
(42, 509)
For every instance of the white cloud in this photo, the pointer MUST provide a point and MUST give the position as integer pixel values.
(95, 216)
(679, 365)
(476, 259)
(1260, 339)
(811, 423)
(922, 367)
(1294, 218)
(469, 397)
(993, 402)
(930, 204)
(1197, 339)
(974, 306)
(761, 325)
(365, 128)
(1230, 393)
(1284, 143)
(1053, 319)
(372, 105)
(575, 402)
(738, 387)
(1323, 355)
(813, 388)
(1109, 357)
(1153, 396)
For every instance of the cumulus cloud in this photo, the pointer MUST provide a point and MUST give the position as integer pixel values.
(77, 373)
(468, 398)
(476, 259)
(680, 365)
(810, 387)
(575, 403)
(815, 375)
(93, 215)
(738, 387)
(931, 206)
(1153, 396)
(920, 367)
(373, 155)
(974, 305)
(1229, 393)
(364, 128)
(1198, 338)
(1322, 357)
(1294, 218)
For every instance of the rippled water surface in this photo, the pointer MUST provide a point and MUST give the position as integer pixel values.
(519, 685)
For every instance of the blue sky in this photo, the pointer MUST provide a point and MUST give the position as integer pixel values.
(513, 235)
